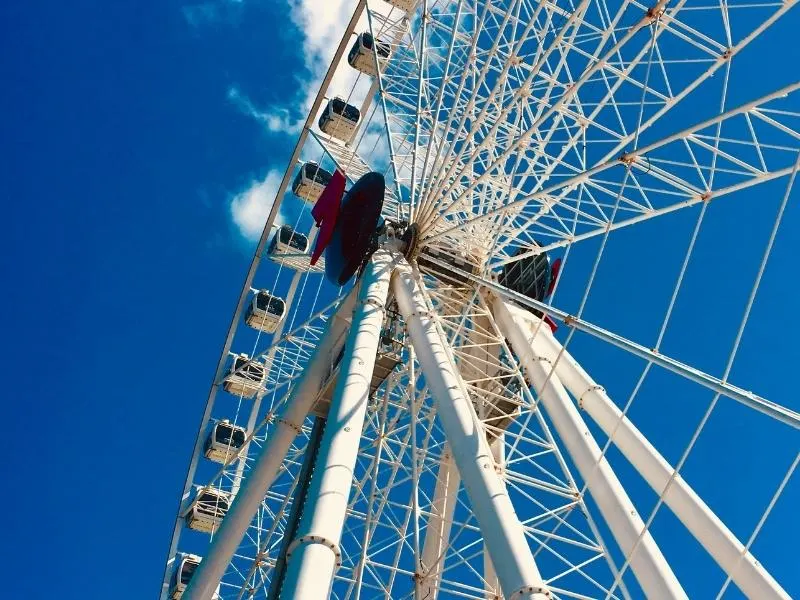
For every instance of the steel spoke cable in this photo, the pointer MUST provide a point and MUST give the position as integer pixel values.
(664, 324)
(761, 521)
(728, 367)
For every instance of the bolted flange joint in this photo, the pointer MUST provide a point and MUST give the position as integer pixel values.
(316, 539)
(589, 390)
(376, 303)
(529, 589)
(291, 424)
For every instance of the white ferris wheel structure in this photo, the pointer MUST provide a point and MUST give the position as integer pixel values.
(425, 432)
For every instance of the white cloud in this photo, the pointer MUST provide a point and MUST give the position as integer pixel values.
(322, 24)
(275, 118)
(211, 12)
(251, 207)
(201, 14)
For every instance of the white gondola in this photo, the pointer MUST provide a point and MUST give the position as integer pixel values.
(186, 565)
(339, 119)
(288, 241)
(361, 56)
(245, 377)
(265, 312)
(310, 181)
(406, 5)
(290, 249)
(208, 509)
(224, 441)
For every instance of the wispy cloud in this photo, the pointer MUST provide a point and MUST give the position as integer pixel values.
(277, 119)
(251, 207)
(320, 23)
(211, 12)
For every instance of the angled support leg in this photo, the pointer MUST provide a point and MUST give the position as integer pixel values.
(503, 533)
(698, 518)
(314, 555)
(648, 563)
(258, 481)
(497, 445)
(437, 531)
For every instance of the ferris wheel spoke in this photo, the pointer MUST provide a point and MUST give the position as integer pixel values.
(505, 130)
(480, 118)
(562, 101)
(659, 184)
(650, 119)
(499, 117)
(460, 62)
(771, 409)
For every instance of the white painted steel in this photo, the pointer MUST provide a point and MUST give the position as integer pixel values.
(255, 409)
(437, 530)
(720, 542)
(500, 526)
(648, 563)
(493, 592)
(245, 291)
(266, 465)
(493, 115)
(748, 398)
(314, 555)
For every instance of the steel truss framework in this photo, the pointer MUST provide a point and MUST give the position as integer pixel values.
(504, 129)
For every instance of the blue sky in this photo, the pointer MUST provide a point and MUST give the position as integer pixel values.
(129, 132)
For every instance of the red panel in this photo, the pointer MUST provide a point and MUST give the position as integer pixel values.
(326, 211)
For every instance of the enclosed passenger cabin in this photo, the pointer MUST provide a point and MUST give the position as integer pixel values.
(224, 441)
(287, 241)
(339, 119)
(361, 55)
(310, 181)
(245, 377)
(185, 566)
(208, 509)
(529, 276)
(290, 249)
(265, 312)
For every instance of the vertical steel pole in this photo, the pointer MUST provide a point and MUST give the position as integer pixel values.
(648, 563)
(314, 555)
(498, 448)
(299, 500)
(205, 580)
(501, 528)
(719, 541)
(437, 530)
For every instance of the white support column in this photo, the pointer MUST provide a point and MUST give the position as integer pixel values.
(493, 592)
(723, 546)
(437, 531)
(647, 562)
(314, 555)
(256, 484)
(501, 528)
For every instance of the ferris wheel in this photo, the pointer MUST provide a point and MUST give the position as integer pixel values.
(461, 418)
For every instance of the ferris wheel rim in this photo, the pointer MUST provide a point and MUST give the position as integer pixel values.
(576, 322)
